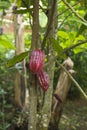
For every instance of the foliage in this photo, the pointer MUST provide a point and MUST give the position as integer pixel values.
(17, 59)
(5, 91)
(6, 43)
(80, 68)
(4, 4)
(69, 33)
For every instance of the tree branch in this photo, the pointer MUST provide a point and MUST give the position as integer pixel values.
(32, 81)
(72, 9)
(68, 8)
(72, 47)
(23, 1)
(50, 21)
(66, 50)
(35, 28)
(64, 20)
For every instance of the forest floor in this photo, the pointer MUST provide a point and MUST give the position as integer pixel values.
(74, 115)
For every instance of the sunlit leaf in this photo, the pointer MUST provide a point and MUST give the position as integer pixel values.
(63, 35)
(56, 46)
(79, 38)
(6, 43)
(42, 19)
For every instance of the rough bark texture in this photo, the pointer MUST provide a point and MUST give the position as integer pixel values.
(35, 28)
(46, 109)
(32, 102)
(45, 112)
(60, 94)
(32, 83)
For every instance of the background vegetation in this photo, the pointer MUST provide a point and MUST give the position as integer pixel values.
(71, 30)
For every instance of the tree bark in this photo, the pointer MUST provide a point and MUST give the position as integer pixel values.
(32, 82)
(45, 112)
(60, 94)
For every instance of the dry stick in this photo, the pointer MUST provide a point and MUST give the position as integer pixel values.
(75, 82)
(72, 9)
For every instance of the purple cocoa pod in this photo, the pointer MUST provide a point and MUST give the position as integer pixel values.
(36, 62)
(43, 79)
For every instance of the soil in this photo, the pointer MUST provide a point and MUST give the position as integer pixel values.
(74, 115)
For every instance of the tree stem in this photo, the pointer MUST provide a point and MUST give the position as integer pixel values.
(35, 29)
(32, 78)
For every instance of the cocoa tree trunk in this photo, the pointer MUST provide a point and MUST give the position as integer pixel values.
(60, 94)
(44, 114)
(32, 82)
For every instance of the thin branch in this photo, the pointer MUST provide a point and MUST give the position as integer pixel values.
(35, 28)
(50, 21)
(68, 8)
(72, 47)
(64, 21)
(66, 50)
(43, 9)
(23, 1)
(75, 82)
(73, 10)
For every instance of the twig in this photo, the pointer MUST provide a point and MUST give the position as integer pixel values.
(66, 50)
(43, 9)
(68, 8)
(25, 4)
(72, 47)
(73, 10)
(75, 82)
(63, 21)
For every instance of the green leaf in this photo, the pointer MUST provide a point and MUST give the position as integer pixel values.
(22, 11)
(42, 19)
(63, 35)
(6, 43)
(4, 4)
(81, 47)
(56, 45)
(79, 38)
(17, 59)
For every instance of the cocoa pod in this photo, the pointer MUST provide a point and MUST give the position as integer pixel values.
(36, 61)
(43, 79)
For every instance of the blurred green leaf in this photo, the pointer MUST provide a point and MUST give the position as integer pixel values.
(17, 59)
(4, 4)
(42, 19)
(63, 34)
(22, 11)
(6, 43)
(56, 45)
